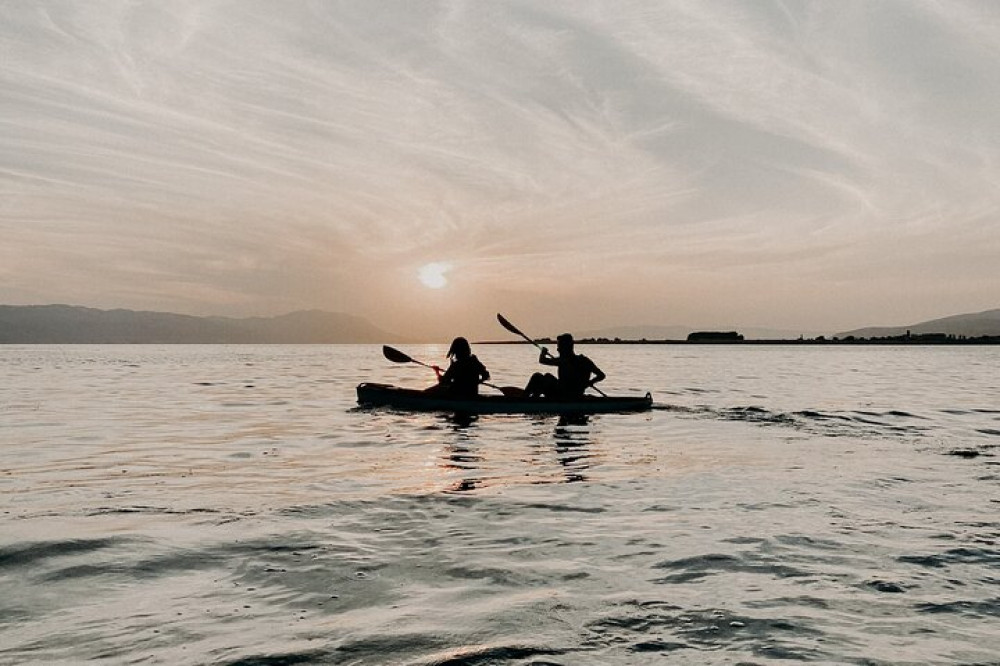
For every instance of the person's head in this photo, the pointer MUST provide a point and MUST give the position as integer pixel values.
(564, 343)
(459, 349)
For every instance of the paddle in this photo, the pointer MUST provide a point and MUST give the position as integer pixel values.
(516, 331)
(508, 391)
(397, 356)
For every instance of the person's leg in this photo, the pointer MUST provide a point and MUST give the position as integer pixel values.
(534, 385)
(546, 385)
(551, 387)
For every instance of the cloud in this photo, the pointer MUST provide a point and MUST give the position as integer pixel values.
(241, 158)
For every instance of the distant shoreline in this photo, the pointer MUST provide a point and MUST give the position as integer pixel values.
(911, 342)
(809, 342)
(975, 342)
(71, 324)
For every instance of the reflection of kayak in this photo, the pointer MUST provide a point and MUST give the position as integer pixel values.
(384, 395)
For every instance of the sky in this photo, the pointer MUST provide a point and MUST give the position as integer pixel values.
(576, 165)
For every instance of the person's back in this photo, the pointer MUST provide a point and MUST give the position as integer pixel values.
(466, 372)
(575, 371)
(463, 377)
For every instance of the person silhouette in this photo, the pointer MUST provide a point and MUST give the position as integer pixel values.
(576, 372)
(464, 374)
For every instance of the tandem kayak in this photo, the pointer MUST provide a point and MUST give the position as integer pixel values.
(384, 395)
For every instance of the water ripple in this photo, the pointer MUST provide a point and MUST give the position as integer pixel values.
(229, 506)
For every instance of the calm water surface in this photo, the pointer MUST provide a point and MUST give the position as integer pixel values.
(230, 505)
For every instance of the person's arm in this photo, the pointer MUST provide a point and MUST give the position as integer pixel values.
(545, 358)
(484, 374)
(597, 373)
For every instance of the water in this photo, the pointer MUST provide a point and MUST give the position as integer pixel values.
(230, 505)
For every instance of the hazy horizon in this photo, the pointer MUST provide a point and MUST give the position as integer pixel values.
(576, 165)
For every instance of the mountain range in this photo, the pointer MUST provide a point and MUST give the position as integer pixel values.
(65, 324)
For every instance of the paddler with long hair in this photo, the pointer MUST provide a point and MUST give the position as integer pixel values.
(464, 374)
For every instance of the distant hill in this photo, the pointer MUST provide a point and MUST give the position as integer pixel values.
(65, 324)
(970, 325)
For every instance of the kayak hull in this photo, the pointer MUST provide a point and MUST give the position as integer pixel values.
(385, 395)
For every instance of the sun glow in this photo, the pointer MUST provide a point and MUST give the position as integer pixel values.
(433, 275)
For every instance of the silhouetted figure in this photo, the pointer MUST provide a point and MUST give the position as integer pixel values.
(576, 372)
(463, 376)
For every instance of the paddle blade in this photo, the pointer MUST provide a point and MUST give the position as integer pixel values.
(508, 391)
(509, 326)
(514, 329)
(395, 355)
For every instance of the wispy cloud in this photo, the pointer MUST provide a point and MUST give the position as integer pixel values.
(251, 158)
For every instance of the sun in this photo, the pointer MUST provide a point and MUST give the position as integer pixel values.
(433, 275)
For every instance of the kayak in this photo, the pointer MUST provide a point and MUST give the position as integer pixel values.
(384, 395)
